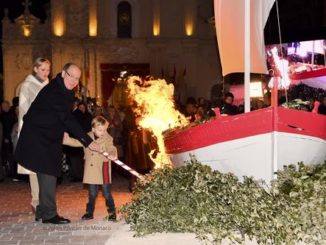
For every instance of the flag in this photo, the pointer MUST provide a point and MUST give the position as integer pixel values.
(229, 23)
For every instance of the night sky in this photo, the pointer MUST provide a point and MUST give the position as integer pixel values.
(300, 19)
(15, 8)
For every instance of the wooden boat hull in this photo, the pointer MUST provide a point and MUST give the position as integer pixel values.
(254, 144)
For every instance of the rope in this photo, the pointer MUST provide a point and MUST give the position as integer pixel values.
(280, 38)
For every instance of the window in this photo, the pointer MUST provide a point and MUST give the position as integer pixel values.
(124, 20)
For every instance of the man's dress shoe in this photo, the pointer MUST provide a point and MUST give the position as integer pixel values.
(56, 220)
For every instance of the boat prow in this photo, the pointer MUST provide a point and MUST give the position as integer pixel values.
(255, 144)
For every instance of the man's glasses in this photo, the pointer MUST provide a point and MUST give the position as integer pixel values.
(71, 77)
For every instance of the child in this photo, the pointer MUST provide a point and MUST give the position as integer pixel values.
(96, 172)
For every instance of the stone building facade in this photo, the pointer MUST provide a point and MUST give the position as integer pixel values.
(171, 38)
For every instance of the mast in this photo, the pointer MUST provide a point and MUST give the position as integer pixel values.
(247, 57)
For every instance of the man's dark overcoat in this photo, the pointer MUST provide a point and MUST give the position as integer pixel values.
(39, 146)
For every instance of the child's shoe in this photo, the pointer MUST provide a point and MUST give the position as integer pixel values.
(87, 216)
(111, 217)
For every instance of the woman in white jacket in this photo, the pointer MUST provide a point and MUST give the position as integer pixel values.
(27, 92)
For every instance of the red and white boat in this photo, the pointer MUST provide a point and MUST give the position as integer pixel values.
(314, 78)
(256, 143)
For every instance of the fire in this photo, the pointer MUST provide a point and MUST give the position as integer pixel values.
(281, 70)
(156, 111)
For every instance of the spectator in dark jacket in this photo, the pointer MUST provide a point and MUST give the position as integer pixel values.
(8, 120)
(228, 107)
(75, 155)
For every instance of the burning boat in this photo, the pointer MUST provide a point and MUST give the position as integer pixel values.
(255, 144)
(260, 142)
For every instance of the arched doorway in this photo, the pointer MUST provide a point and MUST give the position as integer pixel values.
(113, 88)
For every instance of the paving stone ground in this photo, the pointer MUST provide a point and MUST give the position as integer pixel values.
(17, 225)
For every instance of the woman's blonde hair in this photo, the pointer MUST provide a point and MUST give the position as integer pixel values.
(38, 62)
(99, 121)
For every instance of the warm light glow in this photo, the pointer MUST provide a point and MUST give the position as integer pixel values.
(92, 18)
(156, 28)
(256, 90)
(189, 18)
(156, 19)
(58, 27)
(156, 111)
(26, 21)
(93, 28)
(27, 30)
(189, 28)
(58, 18)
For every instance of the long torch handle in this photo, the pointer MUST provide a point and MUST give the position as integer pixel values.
(125, 166)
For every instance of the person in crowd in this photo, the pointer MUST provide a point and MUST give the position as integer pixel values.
(311, 104)
(256, 104)
(75, 155)
(75, 104)
(115, 128)
(191, 109)
(68, 152)
(267, 99)
(201, 102)
(228, 107)
(98, 111)
(2, 172)
(15, 105)
(8, 120)
(260, 104)
(39, 146)
(95, 171)
(14, 133)
(27, 92)
(14, 139)
(201, 115)
(83, 116)
(322, 106)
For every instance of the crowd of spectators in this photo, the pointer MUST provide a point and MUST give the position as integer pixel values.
(201, 110)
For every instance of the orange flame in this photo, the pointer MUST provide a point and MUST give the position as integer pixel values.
(156, 109)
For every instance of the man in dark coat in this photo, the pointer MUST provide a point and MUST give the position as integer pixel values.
(39, 146)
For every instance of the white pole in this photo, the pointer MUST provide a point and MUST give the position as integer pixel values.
(275, 129)
(313, 53)
(247, 57)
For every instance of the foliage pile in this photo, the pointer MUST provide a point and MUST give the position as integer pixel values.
(305, 92)
(193, 198)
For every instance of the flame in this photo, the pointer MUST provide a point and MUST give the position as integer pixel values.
(281, 70)
(156, 111)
